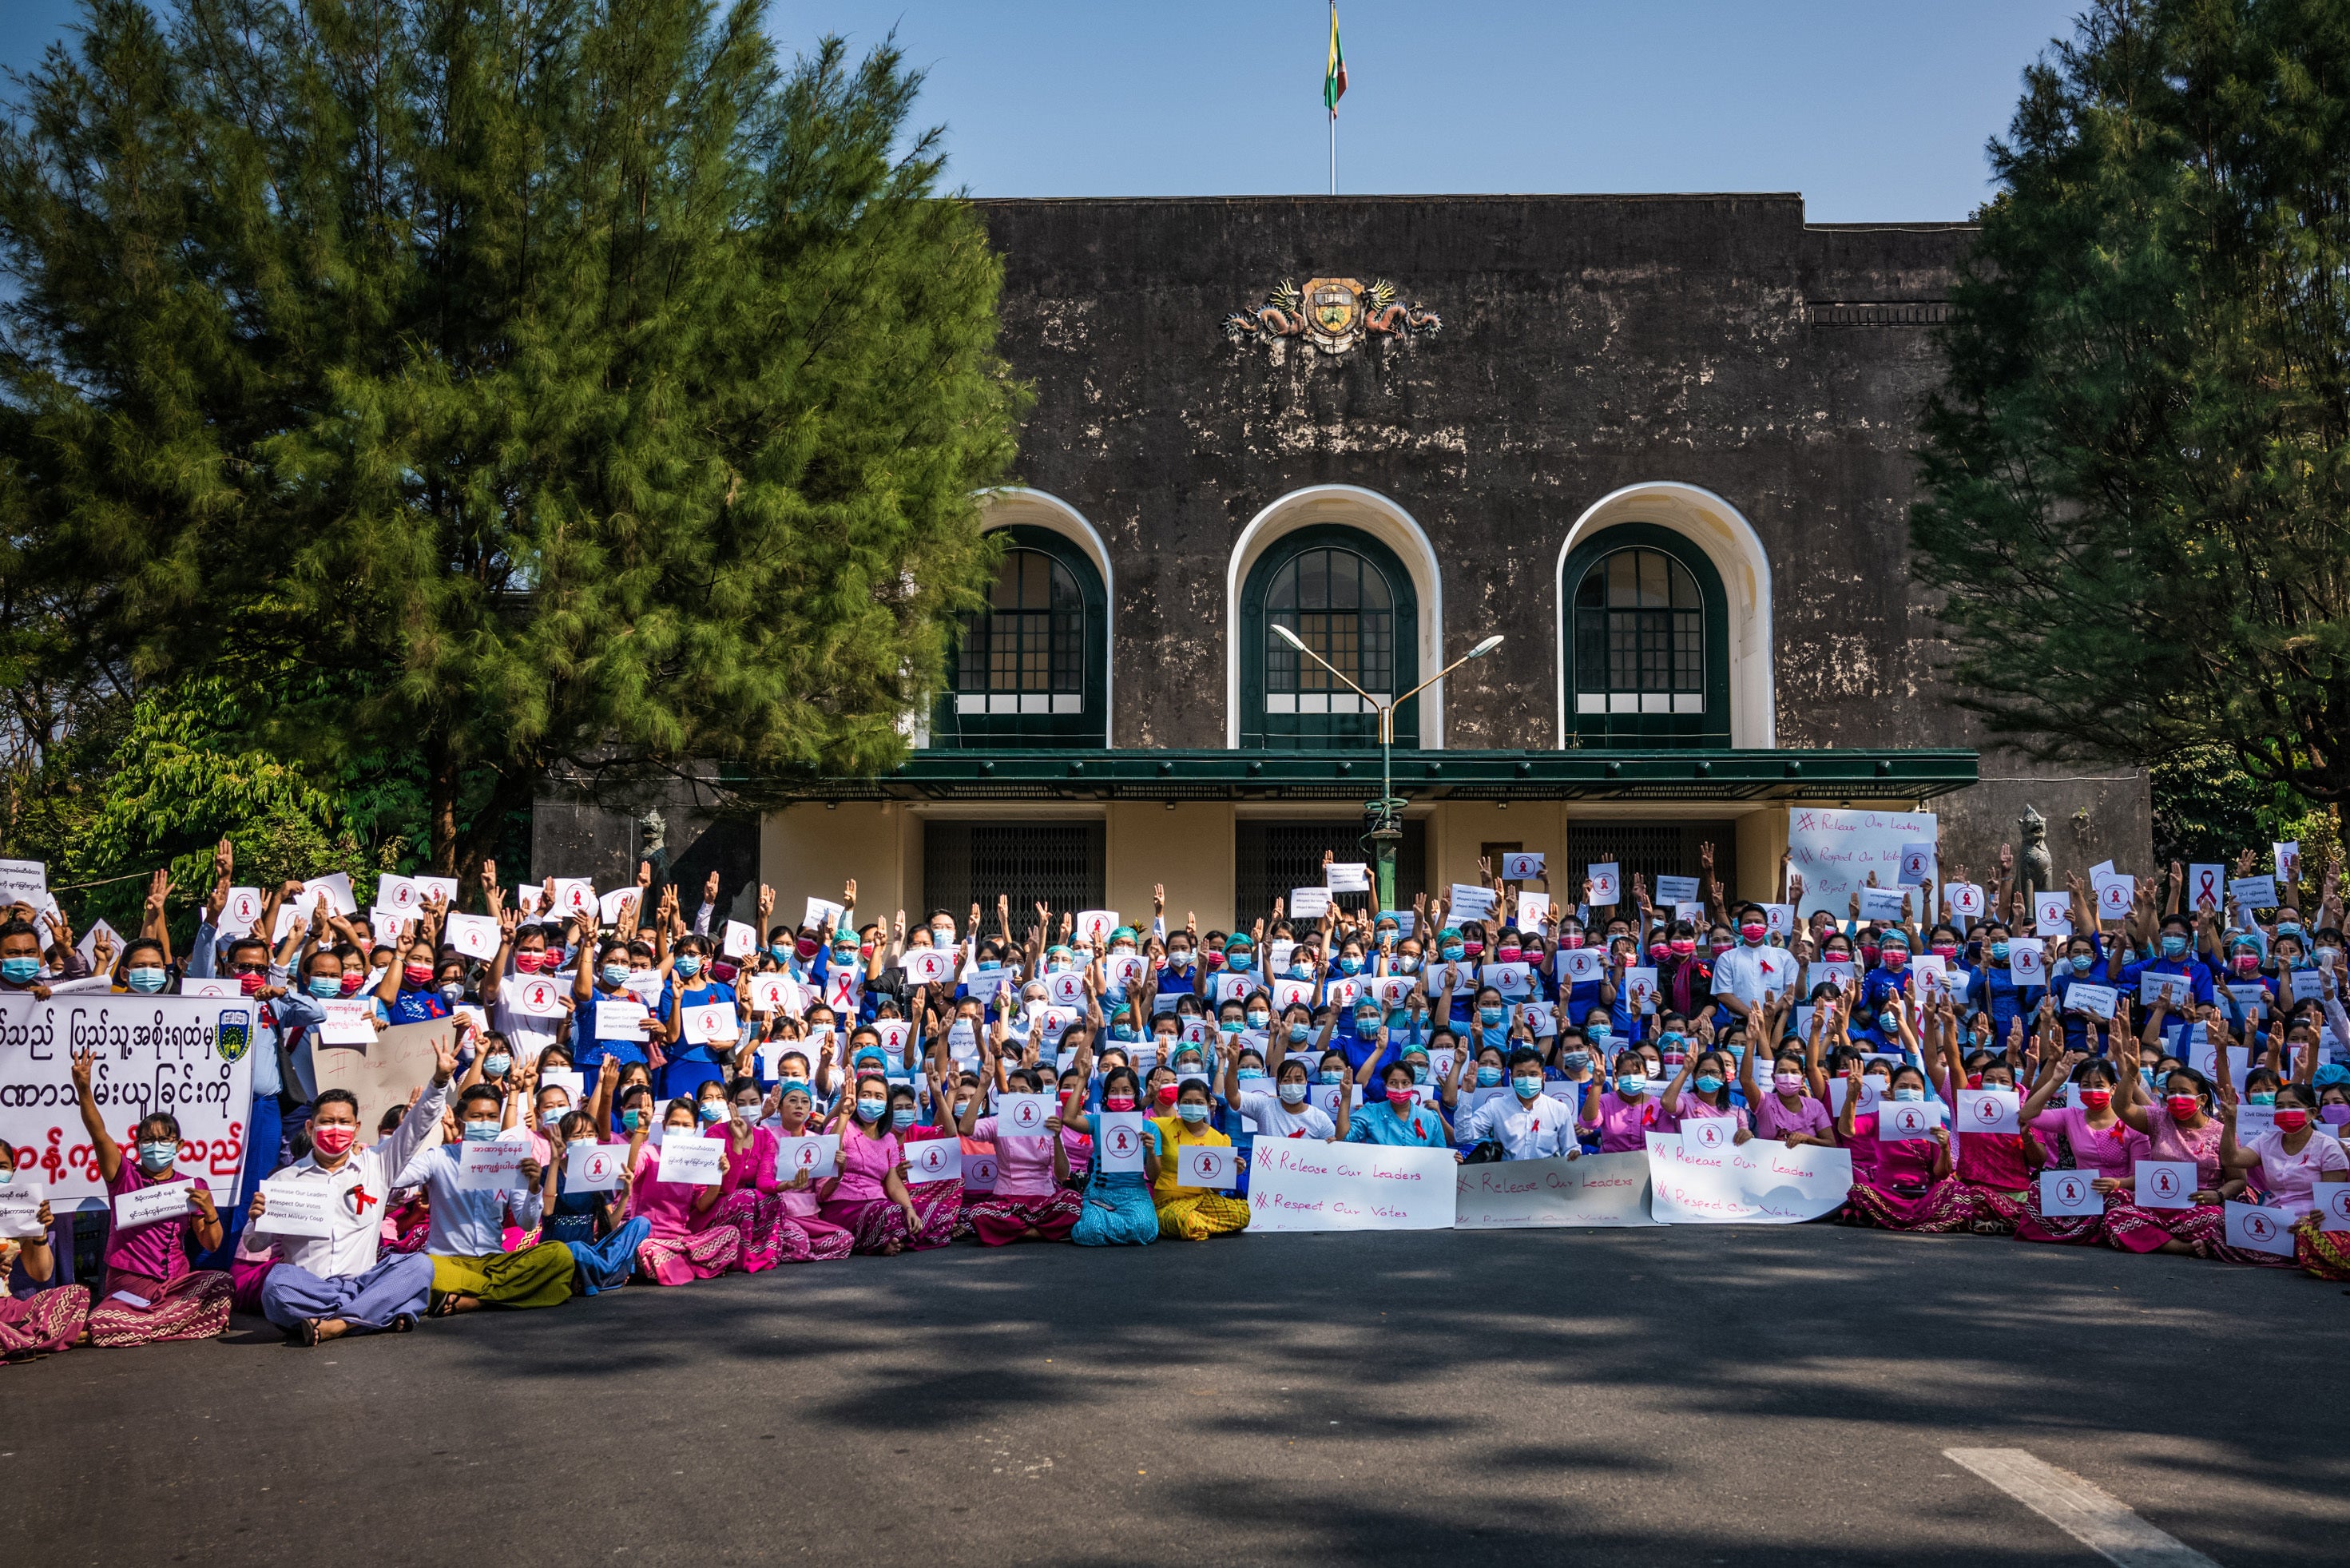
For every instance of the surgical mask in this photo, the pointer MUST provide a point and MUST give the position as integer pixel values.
(1527, 1088)
(146, 981)
(1905, 1094)
(1452, 952)
(1709, 1082)
(1259, 1020)
(1348, 964)
(2291, 1119)
(1599, 1033)
(481, 1132)
(1488, 1076)
(417, 975)
(495, 1067)
(20, 970)
(712, 1111)
(871, 1110)
(1671, 1039)
(1124, 1032)
(1301, 970)
(1420, 1073)
(1577, 1061)
(2173, 945)
(2181, 1106)
(1408, 963)
(1490, 1015)
(553, 1115)
(1180, 959)
(2248, 963)
(1753, 933)
(1787, 1083)
(326, 985)
(631, 1120)
(781, 952)
(1946, 949)
(902, 1119)
(2097, 1099)
(688, 964)
(1237, 962)
(1631, 1083)
(1191, 1113)
(1332, 1076)
(155, 1158)
(746, 1110)
(1245, 1074)
(615, 975)
(1231, 1026)
(1889, 1022)
(1189, 1065)
(1297, 1033)
(1367, 1023)
(2267, 1097)
(1998, 952)
(1292, 1093)
(2080, 963)
(334, 1139)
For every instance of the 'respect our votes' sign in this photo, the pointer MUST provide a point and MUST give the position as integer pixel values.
(1759, 1182)
(1297, 1184)
(188, 1056)
(1836, 850)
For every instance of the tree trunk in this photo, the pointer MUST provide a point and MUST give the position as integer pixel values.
(444, 777)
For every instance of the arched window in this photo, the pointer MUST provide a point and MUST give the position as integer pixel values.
(1028, 671)
(1645, 642)
(1347, 598)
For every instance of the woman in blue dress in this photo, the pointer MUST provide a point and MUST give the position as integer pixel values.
(1118, 1210)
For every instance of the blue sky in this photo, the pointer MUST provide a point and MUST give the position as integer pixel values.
(1873, 112)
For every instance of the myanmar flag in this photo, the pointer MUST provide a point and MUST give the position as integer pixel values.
(1334, 75)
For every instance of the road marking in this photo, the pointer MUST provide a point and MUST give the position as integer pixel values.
(2090, 1517)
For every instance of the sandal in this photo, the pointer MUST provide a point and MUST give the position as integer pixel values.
(446, 1306)
(304, 1333)
(404, 1323)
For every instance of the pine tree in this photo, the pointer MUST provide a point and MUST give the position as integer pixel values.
(562, 383)
(2138, 476)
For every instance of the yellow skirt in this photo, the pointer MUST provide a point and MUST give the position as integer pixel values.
(536, 1276)
(1198, 1217)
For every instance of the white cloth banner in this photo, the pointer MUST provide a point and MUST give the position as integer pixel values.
(1524, 1194)
(184, 1055)
(1295, 1184)
(1759, 1182)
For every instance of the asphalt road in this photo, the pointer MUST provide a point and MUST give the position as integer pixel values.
(1677, 1396)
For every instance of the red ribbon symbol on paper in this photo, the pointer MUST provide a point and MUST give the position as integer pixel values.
(2209, 894)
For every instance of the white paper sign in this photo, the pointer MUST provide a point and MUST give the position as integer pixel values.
(1606, 880)
(2165, 1183)
(2254, 892)
(1309, 903)
(1095, 926)
(2115, 895)
(1522, 866)
(349, 1022)
(1836, 850)
(1206, 1165)
(475, 936)
(594, 1166)
(825, 915)
(1965, 900)
(296, 1208)
(338, 888)
(21, 1198)
(1988, 1111)
(688, 1160)
(1346, 876)
(1022, 1116)
(2332, 1204)
(2260, 1229)
(2069, 1193)
(1759, 1182)
(933, 1159)
(1888, 906)
(711, 1021)
(1466, 901)
(493, 1164)
(1581, 966)
(739, 940)
(240, 913)
(25, 882)
(2097, 1000)
(2207, 887)
(1066, 989)
(2174, 987)
(620, 1021)
(819, 1156)
(928, 966)
(1899, 1121)
(574, 896)
(146, 1205)
(1119, 1140)
(772, 993)
(1917, 864)
(1532, 911)
(1297, 1184)
(1640, 989)
(2026, 961)
(533, 996)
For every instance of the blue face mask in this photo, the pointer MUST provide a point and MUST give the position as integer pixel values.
(989, 966)
(1488, 1076)
(552, 1116)
(2080, 963)
(1670, 1038)
(326, 985)
(495, 1066)
(1231, 1026)
(1247, 1073)
(616, 975)
(711, 1110)
(1124, 1032)
(1258, 1020)
(1998, 952)
(1889, 1024)
(155, 1158)
(1905, 1094)
(1332, 1076)
(1489, 1014)
(146, 981)
(631, 1120)
(1349, 965)
(688, 965)
(1420, 1073)
(481, 1132)
(2172, 947)
(871, 1110)
(1709, 1082)
(1236, 962)
(1301, 971)
(1192, 1113)
(1297, 1033)
(1599, 1033)
(2288, 929)
(1368, 1023)
(1577, 1061)
(20, 970)
(1452, 952)
(901, 1120)
(1527, 1088)
(779, 952)
(1631, 1083)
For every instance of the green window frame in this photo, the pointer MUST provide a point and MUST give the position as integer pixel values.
(1645, 641)
(1032, 669)
(1349, 597)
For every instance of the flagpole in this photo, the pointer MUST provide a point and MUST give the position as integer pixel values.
(1334, 111)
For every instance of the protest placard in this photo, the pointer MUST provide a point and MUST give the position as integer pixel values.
(1759, 1182)
(1297, 1184)
(1607, 1190)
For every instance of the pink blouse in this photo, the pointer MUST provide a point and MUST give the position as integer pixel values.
(1624, 1124)
(1772, 1119)
(1024, 1166)
(2112, 1151)
(864, 1163)
(1902, 1162)
(2168, 1140)
(753, 1168)
(666, 1206)
(157, 1251)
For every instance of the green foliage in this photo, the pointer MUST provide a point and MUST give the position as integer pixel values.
(547, 383)
(2206, 807)
(2138, 475)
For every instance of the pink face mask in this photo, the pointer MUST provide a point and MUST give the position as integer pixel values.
(1786, 1082)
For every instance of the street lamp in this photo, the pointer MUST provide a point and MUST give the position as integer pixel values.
(1384, 817)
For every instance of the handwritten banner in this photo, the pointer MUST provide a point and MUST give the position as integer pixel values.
(1526, 1194)
(1298, 1185)
(184, 1055)
(1759, 1182)
(1836, 850)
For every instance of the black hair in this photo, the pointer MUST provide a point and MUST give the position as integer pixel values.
(335, 1097)
(477, 1094)
(165, 1120)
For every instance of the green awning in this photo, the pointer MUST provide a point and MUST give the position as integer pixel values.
(1146, 775)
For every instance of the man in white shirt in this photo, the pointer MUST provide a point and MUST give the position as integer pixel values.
(471, 1265)
(1526, 1123)
(1744, 975)
(323, 1287)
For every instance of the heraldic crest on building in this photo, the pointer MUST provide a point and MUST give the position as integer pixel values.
(1334, 314)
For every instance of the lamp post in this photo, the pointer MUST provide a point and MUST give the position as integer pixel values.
(1384, 817)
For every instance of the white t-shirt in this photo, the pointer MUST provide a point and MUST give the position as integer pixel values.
(2288, 1177)
(528, 1035)
(1275, 1119)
